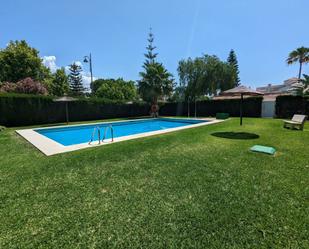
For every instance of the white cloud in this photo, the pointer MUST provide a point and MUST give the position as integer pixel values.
(87, 80)
(78, 63)
(50, 62)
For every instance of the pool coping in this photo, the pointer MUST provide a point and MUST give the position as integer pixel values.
(50, 147)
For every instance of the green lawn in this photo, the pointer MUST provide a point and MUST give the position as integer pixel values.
(187, 189)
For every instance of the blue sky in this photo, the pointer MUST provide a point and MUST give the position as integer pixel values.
(262, 32)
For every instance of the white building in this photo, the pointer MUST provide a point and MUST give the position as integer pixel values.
(274, 90)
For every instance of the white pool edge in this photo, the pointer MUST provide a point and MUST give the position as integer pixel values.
(50, 147)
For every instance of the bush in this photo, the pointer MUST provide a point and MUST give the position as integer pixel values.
(287, 106)
(27, 85)
(8, 87)
(30, 86)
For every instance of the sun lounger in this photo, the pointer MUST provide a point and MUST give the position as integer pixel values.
(298, 122)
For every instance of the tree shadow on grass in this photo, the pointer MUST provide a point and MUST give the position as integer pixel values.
(235, 135)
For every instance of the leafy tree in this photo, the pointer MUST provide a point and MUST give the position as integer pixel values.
(95, 85)
(191, 74)
(60, 83)
(156, 82)
(129, 90)
(76, 80)
(178, 94)
(118, 89)
(19, 61)
(232, 60)
(300, 55)
(204, 75)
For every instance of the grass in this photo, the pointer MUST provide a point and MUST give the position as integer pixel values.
(187, 189)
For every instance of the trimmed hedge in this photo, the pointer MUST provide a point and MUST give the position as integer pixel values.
(287, 106)
(19, 110)
(252, 107)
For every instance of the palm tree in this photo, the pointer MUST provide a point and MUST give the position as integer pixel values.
(155, 82)
(300, 55)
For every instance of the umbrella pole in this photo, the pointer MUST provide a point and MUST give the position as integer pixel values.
(241, 103)
(188, 108)
(195, 107)
(67, 112)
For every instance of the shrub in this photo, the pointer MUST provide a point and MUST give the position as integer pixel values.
(29, 86)
(8, 87)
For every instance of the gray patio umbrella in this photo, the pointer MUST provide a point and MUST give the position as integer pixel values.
(241, 91)
(66, 99)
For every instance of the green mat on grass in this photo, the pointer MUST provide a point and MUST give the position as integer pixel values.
(263, 149)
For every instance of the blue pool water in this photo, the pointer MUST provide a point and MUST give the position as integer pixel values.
(82, 133)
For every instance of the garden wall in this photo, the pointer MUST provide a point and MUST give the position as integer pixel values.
(287, 106)
(19, 110)
(251, 107)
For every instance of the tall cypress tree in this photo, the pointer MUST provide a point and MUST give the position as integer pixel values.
(232, 60)
(76, 80)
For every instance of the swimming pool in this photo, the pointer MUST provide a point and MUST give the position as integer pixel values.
(54, 140)
(83, 133)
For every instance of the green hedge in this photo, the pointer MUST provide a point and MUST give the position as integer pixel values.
(19, 110)
(251, 107)
(287, 106)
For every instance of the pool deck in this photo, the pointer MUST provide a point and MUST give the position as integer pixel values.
(50, 147)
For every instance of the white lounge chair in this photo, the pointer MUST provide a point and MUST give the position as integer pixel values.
(298, 121)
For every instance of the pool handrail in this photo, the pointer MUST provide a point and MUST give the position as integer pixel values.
(96, 128)
(105, 132)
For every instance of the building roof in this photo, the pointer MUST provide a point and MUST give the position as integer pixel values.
(278, 89)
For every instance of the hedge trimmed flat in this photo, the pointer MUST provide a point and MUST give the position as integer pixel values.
(263, 149)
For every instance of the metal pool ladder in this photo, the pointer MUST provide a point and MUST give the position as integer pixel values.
(97, 128)
(106, 130)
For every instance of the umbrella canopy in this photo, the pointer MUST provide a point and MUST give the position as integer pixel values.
(241, 91)
(65, 99)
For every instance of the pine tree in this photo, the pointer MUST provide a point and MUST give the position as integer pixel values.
(232, 60)
(150, 55)
(76, 80)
